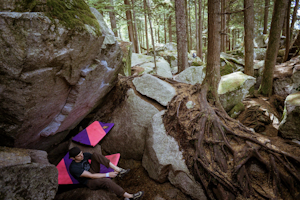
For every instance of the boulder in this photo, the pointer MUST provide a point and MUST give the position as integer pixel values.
(192, 75)
(290, 124)
(164, 161)
(52, 74)
(26, 174)
(261, 41)
(139, 59)
(287, 78)
(170, 57)
(233, 88)
(230, 63)
(154, 88)
(259, 53)
(131, 118)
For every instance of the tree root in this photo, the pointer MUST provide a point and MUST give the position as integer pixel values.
(225, 156)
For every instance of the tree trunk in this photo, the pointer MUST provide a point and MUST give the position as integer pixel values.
(113, 19)
(146, 26)
(228, 33)
(249, 36)
(199, 53)
(187, 26)
(288, 35)
(267, 5)
(294, 18)
(223, 26)
(212, 77)
(136, 41)
(129, 25)
(165, 29)
(152, 36)
(170, 28)
(181, 35)
(273, 45)
(196, 26)
(190, 27)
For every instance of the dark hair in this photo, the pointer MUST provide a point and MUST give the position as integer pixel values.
(74, 152)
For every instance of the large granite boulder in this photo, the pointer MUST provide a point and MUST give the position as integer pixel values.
(164, 161)
(233, 88)
(290, 125)
(192, 75)
(261, 41)
(139, 59)
(131, 118)
(54, 70)
(287, 77)
(26, 174)
(260, 53)
(155, 88)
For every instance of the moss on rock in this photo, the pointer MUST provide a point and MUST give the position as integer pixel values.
(73, 14)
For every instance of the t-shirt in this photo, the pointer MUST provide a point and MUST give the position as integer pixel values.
(77, 168)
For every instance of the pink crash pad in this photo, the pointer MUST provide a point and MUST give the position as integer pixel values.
(92, 134)
(64, 176)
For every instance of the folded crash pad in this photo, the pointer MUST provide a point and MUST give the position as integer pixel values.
(92, 134)
(64, 176)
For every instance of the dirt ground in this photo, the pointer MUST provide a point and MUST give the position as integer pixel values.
(137, 179)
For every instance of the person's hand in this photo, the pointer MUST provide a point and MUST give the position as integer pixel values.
(113, 174)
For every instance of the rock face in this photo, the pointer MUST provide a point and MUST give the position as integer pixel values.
(287, 77)
(233, 88)
(192, 75)
(131, 118)
(52, 73)
(154, 88)
(164, 161)
(290, 125)
(26, 174)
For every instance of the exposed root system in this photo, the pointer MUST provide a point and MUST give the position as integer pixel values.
(229, 160)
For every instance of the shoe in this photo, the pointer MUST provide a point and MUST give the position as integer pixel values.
(137, 195)
(123, 172)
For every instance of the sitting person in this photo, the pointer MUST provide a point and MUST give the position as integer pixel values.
(88, 174)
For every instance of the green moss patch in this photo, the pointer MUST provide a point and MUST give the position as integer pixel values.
(73, 14)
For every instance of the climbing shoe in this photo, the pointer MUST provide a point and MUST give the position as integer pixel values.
(137, 195)
(123, 172)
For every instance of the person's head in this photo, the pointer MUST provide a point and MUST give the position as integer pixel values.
(76, 154)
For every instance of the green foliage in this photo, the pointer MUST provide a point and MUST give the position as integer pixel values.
(73, 14)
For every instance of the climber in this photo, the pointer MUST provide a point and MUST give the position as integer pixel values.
(88, 174)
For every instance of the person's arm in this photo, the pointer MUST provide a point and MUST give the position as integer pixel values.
(88, 174)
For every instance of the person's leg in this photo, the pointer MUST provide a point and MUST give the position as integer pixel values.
(98, 159)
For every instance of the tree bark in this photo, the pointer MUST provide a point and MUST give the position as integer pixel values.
(273, 45)
(181, 35)
(187, 26)
(212, 77)
(165, 29)
(136, 41)
(170, 28)
(146, 26)
(152, 36)
(223, 26)
(294, 18)
(196, 26)
(113, 19)
(199, 53)
(249, 36)
(129, 24)
(266, 16)
(288, 35)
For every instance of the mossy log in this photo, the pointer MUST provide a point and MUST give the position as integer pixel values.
(230, 160)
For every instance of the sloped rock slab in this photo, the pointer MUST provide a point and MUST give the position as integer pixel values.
(192, 75)
(163, 159)
(131, 118)
(290, 125)
(154, 88)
